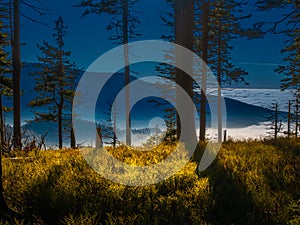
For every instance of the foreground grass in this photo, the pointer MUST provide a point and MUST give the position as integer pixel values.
(249, 183)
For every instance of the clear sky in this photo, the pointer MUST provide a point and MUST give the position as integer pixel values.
(87, 38)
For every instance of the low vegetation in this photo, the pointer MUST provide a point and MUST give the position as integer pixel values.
(249, 183)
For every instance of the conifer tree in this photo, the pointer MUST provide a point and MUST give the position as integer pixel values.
(124, 23)
(16, 74)
(184, 28)
(291, 52)
(217, 23)
(54, 82)
(5, 89)
(225, 28)
(5, 79)
(15, 25)
(289, 25)
(167, 71)
(108, 126)
(203, 22)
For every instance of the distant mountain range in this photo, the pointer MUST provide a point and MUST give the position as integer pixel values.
(239, 114)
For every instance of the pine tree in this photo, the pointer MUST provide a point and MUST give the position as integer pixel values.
(291, 52)
(15, 13)
(170, 136)
(217, 24)
(54, 82)
(225, 28)
(184, 27)
(5, 77)
(203, 22)
(168, 72)
(291, 69)
(16, 74)
(109, 126)
(287, 24)
(124, 22)
(5, 89)
(180, 23)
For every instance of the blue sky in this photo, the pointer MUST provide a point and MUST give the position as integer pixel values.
(87, 39)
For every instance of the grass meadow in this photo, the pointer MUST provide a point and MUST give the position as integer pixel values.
(250, 182)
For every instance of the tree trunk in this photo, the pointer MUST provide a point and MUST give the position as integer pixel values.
(296, 117)
(114, 126)
(276, 121)
(5, 211)
(219, 86)
(184, 28)
(2, 125)
(114, 140)
(61, 90)
(99, 139)
(16, 75)
(73, 140)
(3, 205)
(225, 136)
(289, 120)
(203, 102)
(60, 128)
(127, 71)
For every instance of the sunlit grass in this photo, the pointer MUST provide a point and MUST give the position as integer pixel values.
(257, 179)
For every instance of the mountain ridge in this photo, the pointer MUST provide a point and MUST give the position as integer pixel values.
(239, 114)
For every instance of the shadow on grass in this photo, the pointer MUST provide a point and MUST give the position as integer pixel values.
(52, 199)
(232, 206)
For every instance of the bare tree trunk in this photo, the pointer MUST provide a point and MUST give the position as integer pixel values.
(99, 139)
(127, 71)
(297, 115)
(60, 128)
(3, 205)
(184, 28)
(219, 86)
(114, 126)
(276, 122)
(203, 102)
(2, 125)
(61, 94)
(73, 140)
(16, 75)
(289, 120)
(5, 211)
(225, 136)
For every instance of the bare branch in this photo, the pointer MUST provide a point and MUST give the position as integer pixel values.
(39, 10)
(33, 20)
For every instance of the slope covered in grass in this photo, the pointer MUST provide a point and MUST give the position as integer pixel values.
(249, 183)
